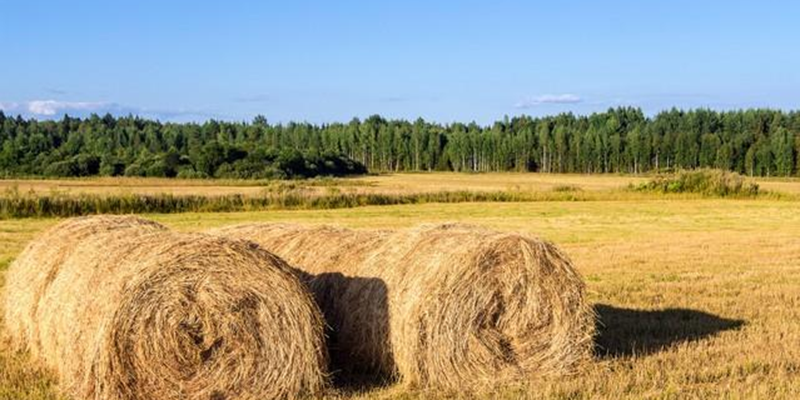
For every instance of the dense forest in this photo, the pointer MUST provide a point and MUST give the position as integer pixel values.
(622, 140)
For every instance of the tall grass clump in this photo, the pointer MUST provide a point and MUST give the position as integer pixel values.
(15, 204)
(707, 182)
(566, 188)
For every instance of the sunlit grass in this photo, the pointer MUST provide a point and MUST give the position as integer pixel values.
(699, 295)
(385, 183)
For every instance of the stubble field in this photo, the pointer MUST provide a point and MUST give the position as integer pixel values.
(696, 297)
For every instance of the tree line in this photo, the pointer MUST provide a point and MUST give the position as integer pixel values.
(756, 142)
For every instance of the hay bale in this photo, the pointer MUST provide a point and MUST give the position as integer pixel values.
(449, 306)
(150, 314)
(35, 268)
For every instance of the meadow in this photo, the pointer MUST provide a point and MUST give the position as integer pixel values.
(697, 297)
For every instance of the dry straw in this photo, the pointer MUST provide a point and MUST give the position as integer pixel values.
(125, 309)
(449, 306)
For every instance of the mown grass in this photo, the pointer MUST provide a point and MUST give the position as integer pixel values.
(697, 295)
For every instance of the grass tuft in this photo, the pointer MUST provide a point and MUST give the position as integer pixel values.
(567, 188)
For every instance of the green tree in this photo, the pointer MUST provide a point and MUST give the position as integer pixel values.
(783, 151)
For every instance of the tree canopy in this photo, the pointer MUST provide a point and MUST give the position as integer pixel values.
(621, 140)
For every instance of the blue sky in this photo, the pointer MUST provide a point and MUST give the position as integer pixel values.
(449, 61)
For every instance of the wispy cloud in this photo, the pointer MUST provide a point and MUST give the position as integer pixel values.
(49, 108)
(549, 99)
(9, 107)
(53, 108)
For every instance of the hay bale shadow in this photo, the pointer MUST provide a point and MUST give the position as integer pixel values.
(623, 332)
(328, 288)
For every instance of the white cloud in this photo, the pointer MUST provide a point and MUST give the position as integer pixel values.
(48, 109)
(549, 99)
(53, 107)
(9, 106)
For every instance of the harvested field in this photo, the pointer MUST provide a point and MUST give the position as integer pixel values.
(696, 297)
(380, 184)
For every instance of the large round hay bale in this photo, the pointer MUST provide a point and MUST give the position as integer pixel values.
(35, 268)
(152, 314)
(447, 306)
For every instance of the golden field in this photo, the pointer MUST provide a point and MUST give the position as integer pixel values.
(392, 183)
(697, 298)
(383, 184)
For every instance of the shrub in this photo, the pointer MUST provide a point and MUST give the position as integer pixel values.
(80, 165)
(134, 170)
(111, 167)
(567, 188)
(190, 173)
(708, 182)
